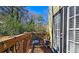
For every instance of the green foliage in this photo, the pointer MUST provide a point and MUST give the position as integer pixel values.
(40, 28)
(40, 24)
(30, 27)
(12, 25)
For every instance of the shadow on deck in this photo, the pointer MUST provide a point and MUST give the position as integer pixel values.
(40, 49)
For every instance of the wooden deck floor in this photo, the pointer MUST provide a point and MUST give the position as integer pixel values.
(40, 49)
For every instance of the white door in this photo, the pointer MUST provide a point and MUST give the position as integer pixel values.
(56, 34)
(73, 29)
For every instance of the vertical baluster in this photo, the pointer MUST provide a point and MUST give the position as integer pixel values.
(24, 46)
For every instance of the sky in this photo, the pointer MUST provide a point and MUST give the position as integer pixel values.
(40, 10)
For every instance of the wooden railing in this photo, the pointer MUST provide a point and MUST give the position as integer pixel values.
(14, 44)
(18, 44)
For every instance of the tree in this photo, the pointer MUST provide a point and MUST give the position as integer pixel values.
(14, 20)
(39, 25)
(10, 27)
(11, 18)
(30, 27)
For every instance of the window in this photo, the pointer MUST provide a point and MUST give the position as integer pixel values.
(56, 26)
(71, 36)
(76, 48)
(71, 22)
(77, 36)
(77, 21)
(71, 10)
(73, 29)
(71, 46)
(77, 9)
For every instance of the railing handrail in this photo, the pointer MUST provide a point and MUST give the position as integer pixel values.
(12, 41)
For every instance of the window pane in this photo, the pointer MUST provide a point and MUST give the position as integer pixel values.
(71, 22)
(71, 35)
(76, 48)
(77, 21)
(77, 35)
(71, 10)
(77, 9)
(57, 19)
(58, 32)
(70, 47)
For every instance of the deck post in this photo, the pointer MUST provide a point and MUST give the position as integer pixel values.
(14, 50)
(24, 46)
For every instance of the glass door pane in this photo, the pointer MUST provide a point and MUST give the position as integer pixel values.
(76, 48)
(57, 19)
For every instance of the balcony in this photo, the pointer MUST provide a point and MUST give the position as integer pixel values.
(23, 44)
